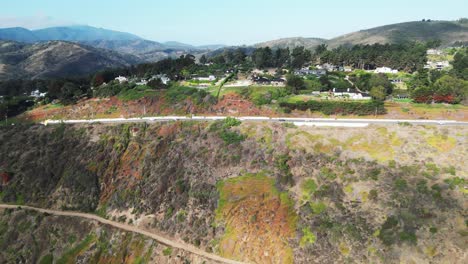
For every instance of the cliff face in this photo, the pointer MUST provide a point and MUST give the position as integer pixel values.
(255, 192)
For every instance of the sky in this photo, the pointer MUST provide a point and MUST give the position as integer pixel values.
(234, 22)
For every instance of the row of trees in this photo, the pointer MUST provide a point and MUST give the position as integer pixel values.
(407, 56)
(263, 57)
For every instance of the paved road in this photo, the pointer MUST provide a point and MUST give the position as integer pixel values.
(297, 121)
(129, 228)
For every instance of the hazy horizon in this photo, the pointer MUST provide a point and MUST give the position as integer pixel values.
(234, 23)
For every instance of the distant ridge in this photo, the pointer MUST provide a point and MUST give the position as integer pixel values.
(448, 32)
(66, 33)
(56, 59)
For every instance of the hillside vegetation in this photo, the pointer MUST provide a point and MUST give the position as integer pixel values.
(56, 59)
(382, 194)
(448, 32)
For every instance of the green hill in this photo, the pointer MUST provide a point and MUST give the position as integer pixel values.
(448, 32)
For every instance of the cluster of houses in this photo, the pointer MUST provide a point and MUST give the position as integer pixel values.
(437, 65)
(37, 94)
(163, 77)
(321, 70)
(260, 80)
(307, 71)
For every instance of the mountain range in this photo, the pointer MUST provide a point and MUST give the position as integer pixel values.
(80, 50)
(144, 50)
(54, 59)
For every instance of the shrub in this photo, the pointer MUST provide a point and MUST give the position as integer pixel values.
(308, 238)
(400, 184)
(327, 173)
(409, 237)
(229, 122)
(282, 164)
(373, 194)
(318, 207)
(309, 187)
(167, 251)
(231, 137)
(338, 107)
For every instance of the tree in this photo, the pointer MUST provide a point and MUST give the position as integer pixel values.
(460, 64)
(203, 59)
(156, 83)
(320, 49)
(97, 80)
(300, 56)
(422, 95)
(239, 56)
(378, 93)
(69, 93)
(450, 90)
(262, 58)
(380, 80)
(282, 57)
(295, 83)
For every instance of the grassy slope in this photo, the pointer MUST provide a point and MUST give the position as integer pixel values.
(446, 31)
(393, 192)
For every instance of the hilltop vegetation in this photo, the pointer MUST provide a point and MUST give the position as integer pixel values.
(448, 32)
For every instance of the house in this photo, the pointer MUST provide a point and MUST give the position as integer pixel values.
(402, 96)
(396, 81)
(142, 82)
(348, 69)
(278, 82)
(204, 79)
(121, 79)
(331, 67)
(350, 93)
(439, 65)
(306, 72)
(385, 70)
(366, 96)
(37, 94)
(261, 80)
(163, 77)
(442, 64)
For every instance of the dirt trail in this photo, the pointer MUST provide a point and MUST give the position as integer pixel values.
(160, 239)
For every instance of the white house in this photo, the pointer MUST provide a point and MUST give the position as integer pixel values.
(163, 77)
(37, 94)
(438, 65)
(142, 82)
(209, 78)
(442, 64)
(385, 70)
(121, 79)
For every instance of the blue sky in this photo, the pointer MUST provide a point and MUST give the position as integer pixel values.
(231, 22)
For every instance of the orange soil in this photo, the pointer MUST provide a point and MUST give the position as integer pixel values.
(258, 222)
